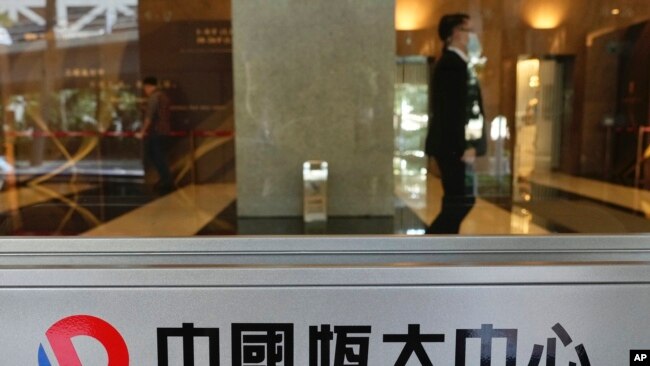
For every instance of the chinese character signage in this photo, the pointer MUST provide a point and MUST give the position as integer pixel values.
(269, 344)
(326, 326)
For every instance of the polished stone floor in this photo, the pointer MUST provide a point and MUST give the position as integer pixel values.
(552, 203)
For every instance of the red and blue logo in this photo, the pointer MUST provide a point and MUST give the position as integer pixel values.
(60, 336)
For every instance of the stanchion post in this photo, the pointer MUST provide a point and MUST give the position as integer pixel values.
(192, 156)
(10, 149)
(639, 156)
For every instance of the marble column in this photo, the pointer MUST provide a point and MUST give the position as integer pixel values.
(314, 80)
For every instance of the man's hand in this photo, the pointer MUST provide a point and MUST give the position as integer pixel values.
(469, 157)
(145, 127)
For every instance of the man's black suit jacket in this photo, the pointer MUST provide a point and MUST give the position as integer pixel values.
(449, 109)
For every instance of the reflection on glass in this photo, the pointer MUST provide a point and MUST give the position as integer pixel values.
(411, 118)
(565, 85)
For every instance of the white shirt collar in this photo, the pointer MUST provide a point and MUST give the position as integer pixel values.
(460, 53)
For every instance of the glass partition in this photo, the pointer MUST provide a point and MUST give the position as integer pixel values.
(163, 118)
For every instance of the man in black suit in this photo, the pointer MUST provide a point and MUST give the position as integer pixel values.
(455, 105)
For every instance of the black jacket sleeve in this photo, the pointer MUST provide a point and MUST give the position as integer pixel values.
(448, 108)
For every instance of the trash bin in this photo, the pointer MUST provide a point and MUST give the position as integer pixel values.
(314, 175)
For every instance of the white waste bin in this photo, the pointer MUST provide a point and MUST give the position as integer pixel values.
(314, 173)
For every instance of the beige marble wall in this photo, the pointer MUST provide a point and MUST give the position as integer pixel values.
(314, 80)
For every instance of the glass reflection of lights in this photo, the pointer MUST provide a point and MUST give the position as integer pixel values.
(545, 14)
(499, 128)
(412, 122)
(413, 14)
(415, 232)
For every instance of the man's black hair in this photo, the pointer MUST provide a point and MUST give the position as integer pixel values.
(448, 23)
(150, 80)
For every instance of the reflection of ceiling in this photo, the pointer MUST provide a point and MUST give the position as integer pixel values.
(40, 45)
(74, 18)
(23, 8)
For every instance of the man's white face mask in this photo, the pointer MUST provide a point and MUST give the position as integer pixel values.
(475, 51)
(474, 48)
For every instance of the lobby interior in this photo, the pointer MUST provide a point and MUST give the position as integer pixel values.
(258, 88)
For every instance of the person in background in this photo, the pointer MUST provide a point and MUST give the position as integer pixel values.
(155, 131)
(454, 140)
